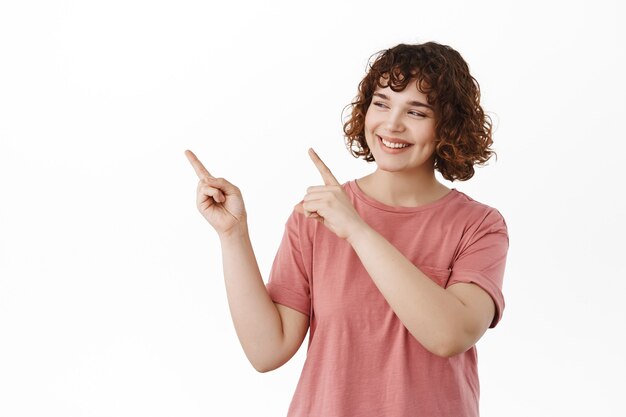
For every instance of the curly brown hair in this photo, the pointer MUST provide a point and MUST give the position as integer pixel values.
(462, 129)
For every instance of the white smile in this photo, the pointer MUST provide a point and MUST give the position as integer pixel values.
(393, 145)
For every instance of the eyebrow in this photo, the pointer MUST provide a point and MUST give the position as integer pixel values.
(411, 102)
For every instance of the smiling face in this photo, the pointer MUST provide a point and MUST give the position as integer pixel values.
(402, 118)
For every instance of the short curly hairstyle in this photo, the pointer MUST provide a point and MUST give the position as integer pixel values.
(462, 129)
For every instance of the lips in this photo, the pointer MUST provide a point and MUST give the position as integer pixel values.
(394, 140)
(393, 149)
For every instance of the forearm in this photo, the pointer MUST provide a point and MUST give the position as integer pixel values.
(430, 313)
(255, 317)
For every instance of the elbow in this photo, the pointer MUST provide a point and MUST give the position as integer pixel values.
(264, 361)
(458, 339)
(262, 368)
(452, 341)
(260, 360)
(448, 351)
(451, 346)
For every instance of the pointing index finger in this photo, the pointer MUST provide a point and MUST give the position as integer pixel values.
(201, 171)
(327, 176)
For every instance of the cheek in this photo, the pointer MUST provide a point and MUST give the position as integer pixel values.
(369, 136)
(369, 123)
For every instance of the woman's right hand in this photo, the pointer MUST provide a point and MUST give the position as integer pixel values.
(219, 201)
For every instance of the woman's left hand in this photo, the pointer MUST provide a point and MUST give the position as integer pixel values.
(329, 204)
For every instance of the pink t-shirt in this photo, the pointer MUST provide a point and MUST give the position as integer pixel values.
(361, 360)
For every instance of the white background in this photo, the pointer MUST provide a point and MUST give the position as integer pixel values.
(112, 300)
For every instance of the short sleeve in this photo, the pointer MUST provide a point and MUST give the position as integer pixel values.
(482, 259)
(288, 283)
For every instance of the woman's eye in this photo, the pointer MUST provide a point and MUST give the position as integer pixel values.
(417, 113)
(378, 104)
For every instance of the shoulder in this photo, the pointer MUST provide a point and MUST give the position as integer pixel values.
(299, 224)
(479, 214)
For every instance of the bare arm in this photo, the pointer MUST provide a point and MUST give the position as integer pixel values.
(269, 333)
(445, 321)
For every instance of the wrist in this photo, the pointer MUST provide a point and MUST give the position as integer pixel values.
(360, 230)
(238, 231)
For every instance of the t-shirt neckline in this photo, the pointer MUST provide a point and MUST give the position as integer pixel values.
(399, 209)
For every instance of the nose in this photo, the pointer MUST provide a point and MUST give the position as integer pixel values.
(394, 122)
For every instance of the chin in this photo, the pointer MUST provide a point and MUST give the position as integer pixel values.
(390, 167)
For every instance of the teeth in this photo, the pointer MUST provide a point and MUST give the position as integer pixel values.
(394, 145)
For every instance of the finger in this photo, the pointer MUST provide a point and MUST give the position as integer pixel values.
(216, 193)
(312, 208)
(211, 192)
(300, 209)
(317, 189)
(201, 171)
(223, 185)
(327, 176)
(314, 197)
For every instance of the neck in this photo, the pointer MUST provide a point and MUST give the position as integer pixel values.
(409, 189)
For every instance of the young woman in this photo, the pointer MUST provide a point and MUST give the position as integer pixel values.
(396, 275)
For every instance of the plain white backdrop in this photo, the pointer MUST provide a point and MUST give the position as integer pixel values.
(112, 300)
